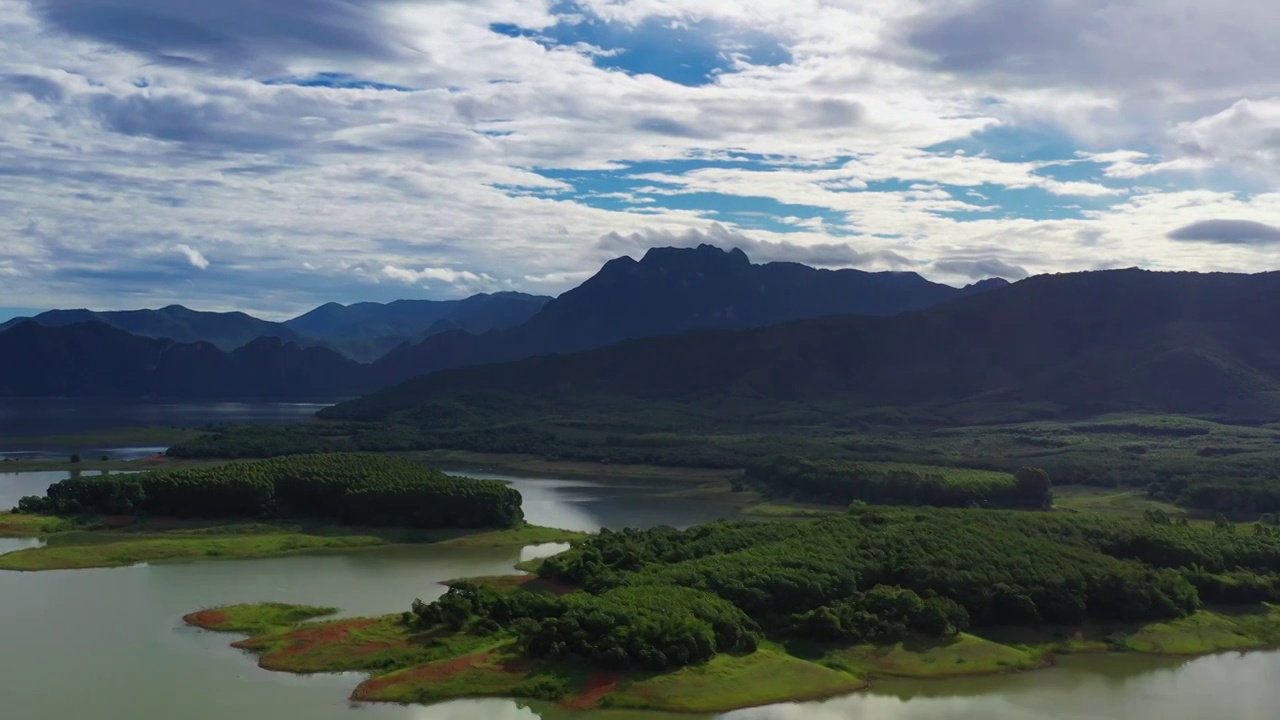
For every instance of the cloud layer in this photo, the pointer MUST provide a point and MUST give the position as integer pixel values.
(272, 157)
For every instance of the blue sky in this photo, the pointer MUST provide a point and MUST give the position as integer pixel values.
(272, 157)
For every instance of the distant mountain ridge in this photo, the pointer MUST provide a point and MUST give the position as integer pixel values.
(183, 353)
(1087, 343)
(96, 360)
(366, 331)
(673, 290)
(226, 331)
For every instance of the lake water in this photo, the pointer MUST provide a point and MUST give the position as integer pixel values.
(110, 644)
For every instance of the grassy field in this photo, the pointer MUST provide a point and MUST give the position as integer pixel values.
(729, 682)
(1209, 631)
(123, 553)
(960, 656)
(115, 542)
(255, 619)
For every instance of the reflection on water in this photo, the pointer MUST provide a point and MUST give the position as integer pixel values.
(14, 486)
(1232, 685)
(588, 506)
(8, 545)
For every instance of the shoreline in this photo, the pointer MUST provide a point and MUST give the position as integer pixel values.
(488, 667)
(106, 542)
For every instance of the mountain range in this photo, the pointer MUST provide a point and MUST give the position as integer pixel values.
(362, 332)
(94, 359)
(1083, 343)
(175, 352)
(673, 290)
(226, 331)
(367, 331)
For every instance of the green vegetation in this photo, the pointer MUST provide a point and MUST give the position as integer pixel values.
(957, 656)
(1207, 631)
(353, 489)
(730, 682)
(841, 483)
(729, 615)
(255, 619)
(116, 551)
(19, 525)
(1198, 464)
(88, 541)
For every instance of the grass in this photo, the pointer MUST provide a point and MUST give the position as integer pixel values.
(1109, 501)
(120, 553)
(93, 542)
(256, 618)
(521, 536)
(955, 657)
(1208, 631)
(24, 526)
(730, 682)
(789, 510)
(478, 674)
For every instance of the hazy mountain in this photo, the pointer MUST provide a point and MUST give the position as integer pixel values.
(671, 290)
(95, 360)
(226, 331)
(367, 331)
(1084, 343)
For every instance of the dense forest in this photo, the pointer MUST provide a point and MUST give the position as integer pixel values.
(664, 598)
(349, 488)
(842, 483)
(1193, 463)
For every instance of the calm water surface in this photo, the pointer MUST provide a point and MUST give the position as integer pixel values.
(109, 644)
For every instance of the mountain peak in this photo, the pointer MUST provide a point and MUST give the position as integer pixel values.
(702, 256)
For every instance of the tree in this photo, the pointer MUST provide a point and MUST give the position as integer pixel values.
(1034, 487)
(75, 458)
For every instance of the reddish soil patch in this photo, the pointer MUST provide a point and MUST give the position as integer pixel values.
(157, 458)
(435, 672)
(207, 619)
(307, 639)
(370, 648)
(599, 686)
(8, 528)
(115, 522)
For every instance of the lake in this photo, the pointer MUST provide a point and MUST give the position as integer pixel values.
(110, 644)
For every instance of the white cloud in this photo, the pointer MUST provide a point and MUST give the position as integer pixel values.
(195, 257)
(446, 275)
(112, 154)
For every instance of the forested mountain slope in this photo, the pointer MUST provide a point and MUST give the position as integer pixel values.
(1085, 342)
(673, 290)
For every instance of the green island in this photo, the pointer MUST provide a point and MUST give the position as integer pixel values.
(265, 508)
(736, 614)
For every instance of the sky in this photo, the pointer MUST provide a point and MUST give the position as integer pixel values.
(272, 156)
